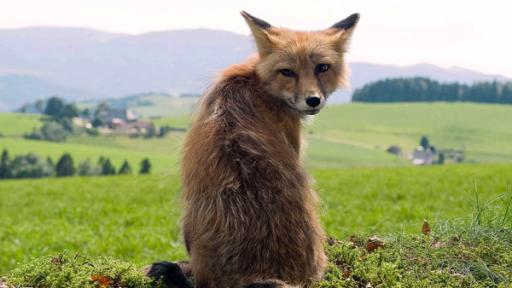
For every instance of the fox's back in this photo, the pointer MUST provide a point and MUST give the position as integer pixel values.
(250, 213)
(241, 171)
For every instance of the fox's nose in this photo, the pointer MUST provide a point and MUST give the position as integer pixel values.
(313, 101)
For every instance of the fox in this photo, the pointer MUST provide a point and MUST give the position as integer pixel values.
(250, 213)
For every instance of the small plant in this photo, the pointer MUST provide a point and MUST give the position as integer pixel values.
(65, 166)
(145, 166)
(78, 271)
(125, 168)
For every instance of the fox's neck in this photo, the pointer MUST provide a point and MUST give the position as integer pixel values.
(285, 120)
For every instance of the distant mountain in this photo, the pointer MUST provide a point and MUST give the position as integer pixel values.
(78, 63)
(16, 90)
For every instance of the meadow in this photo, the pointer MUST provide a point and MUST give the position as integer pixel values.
(351, 135)
(364, 190)
(136, 218)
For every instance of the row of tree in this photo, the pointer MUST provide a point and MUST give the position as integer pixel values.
(34, 166)
(426, 90)
(58, 124)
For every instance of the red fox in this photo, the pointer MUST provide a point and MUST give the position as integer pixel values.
(250, 215)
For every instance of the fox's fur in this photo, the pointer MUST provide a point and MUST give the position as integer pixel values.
(250, 214)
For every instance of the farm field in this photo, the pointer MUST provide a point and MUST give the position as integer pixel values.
(15, 124)
(148, 105)
(136, 218)
(351, 135)
(482, 130)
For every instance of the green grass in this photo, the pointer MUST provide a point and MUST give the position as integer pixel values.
(15, 124)
(482, 130)
(162, 152)
(137, 219)
(148, 105)
(349, 135)
(453, 258)
(78, 271)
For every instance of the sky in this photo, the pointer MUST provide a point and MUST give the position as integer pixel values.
(470, 34)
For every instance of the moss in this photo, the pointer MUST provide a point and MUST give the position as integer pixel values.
(460, 260)
(78, 271)
(474, 257)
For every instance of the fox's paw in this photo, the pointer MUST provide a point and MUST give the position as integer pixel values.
(261, 285)
(269, 284)
(170, 273)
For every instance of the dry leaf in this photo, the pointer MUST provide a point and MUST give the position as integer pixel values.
(425, 228)
(438, 244)
(57, 260)
(102, 280)
(374, 243)
(347, 271)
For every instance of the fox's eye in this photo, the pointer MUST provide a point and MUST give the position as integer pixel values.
(287, 72)
(321, 68)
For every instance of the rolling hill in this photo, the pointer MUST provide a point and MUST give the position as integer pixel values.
(79, 63)
(347, 135)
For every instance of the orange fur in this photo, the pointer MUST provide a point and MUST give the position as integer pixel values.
(250, 213)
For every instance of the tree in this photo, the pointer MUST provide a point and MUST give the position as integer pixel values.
(108, 168)
(424, 142)
(39, 105)
(67, 124)
(101, 160)
(150, 131)
(145, 166)
(440, 160)
(49, 164)
(101, 114)
(68, 111)
(420, 89)
(125, 168)
(86, 168)
(86, 113)
(53, 131)
(65, 166)
(30, 166)
(4, 165)
(54, 107)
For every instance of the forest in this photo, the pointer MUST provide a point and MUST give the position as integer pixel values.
(419, 89)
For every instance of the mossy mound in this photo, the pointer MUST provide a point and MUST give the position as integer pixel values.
(478, 257)
(78, 272)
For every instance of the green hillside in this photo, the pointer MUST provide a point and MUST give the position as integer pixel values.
(341, 136)
(14, 124)
(148, 105)
(482, 130)
(137, 218)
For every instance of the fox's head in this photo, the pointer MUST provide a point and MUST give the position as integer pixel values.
(301, 68)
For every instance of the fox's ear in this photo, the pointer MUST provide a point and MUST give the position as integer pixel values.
(348, 23)
(342, 31)
(260, 31)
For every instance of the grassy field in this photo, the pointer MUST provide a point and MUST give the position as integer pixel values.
(482, 130)
(341, 136)
(163, 153)
(15, 124)
(364, 190)
(137, 218)
(148, 105)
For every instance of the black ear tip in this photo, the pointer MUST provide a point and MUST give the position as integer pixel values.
(356, 17)
(348, 22)
(260, 23)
